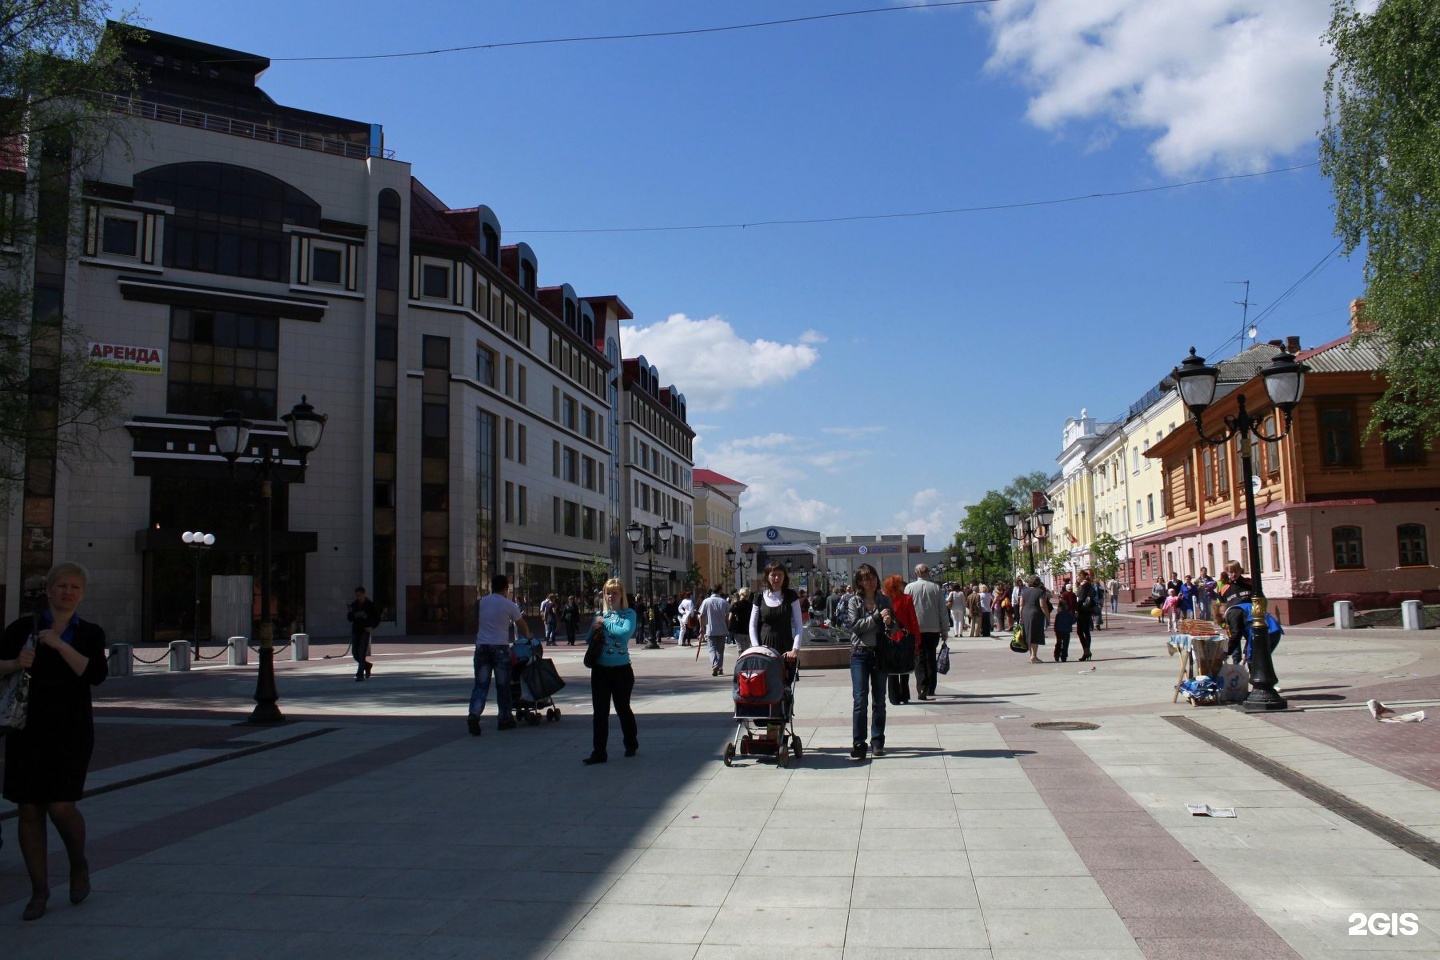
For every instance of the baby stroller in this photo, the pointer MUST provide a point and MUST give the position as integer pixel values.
(764, 707)
(534, 681)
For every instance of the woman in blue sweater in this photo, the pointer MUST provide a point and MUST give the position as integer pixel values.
(612, 677)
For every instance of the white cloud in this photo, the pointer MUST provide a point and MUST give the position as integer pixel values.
(775, 467)
(710, 364)
(1231, 83)
(932, 514)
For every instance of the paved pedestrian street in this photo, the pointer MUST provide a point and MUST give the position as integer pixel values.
(371, 824)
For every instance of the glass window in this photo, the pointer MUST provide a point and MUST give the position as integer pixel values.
(1406, 452)
(1337, 436)
(1275, 550)
(436, 352)
(1349, 548)
(120, 236)
(1413, 549)
(434, 430)
(485, 365)
(228, 219)
(325, 265)
(219, 360)
(435, 281)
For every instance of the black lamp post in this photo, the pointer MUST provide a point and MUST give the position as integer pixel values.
(641, 543)
(199, 543)
(1026, 528)
(1284, 382)
(745, 562)
(232, 436)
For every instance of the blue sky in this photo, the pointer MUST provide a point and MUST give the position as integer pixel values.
(873, 374)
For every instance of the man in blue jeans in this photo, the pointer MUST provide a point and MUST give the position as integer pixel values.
(492, 653)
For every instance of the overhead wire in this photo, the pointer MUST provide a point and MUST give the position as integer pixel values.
(949, 211)
(649, 35)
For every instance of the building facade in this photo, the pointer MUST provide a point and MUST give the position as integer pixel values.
(657, 447)
(717, 522)
(235, 253)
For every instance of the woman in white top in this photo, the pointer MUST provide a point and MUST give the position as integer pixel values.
(775, 618)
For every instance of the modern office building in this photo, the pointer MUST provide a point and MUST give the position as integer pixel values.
(238, 253)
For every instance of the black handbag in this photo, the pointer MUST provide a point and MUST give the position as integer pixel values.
(895, 651)
(593, 646)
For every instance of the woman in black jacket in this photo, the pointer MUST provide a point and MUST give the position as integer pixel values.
(46, 762)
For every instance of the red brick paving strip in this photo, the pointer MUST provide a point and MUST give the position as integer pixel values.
(1173, 906)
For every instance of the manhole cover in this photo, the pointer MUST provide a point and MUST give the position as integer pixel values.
(1065, 725)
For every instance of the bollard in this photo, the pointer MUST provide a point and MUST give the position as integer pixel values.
(122, 663)
(179, 655)
(300, 646)
(1344, 615)
(239, 652)
(1412, 615)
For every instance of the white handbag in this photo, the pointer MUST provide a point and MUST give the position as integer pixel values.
(15, 697)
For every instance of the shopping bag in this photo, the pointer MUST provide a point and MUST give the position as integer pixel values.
(942, 658)
(1017, 641)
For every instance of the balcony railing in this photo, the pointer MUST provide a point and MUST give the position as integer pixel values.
(165, 113)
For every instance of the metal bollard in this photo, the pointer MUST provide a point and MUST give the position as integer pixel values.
(1344, 615)
(300, 646)
(239, 652)
(179, 655)
(1412, 615)
(122, 663)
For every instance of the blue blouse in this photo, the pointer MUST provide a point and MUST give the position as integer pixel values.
(619, 629)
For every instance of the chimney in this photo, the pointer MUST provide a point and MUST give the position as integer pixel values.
(1292, 345)
(1359, 323)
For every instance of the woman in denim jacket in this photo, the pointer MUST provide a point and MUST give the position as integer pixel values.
(867, 613)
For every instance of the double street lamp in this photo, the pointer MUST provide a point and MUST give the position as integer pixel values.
(1284, 382)
(745, 562)
(1028, 527)
(972, 553)
(199, 543)
(641, 543)
(304, 428)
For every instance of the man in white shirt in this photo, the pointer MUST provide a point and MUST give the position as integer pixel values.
(687, 616)
(934, 626)
(713, 614)
(492, 653)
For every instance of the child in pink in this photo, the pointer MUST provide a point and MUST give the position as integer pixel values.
(1170, 611)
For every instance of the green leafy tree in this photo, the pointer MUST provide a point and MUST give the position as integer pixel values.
(58, 63)
(1059, 563)
(984, 524)
(1105, 556)
(1381, 150)
(1019, 490)
(694, 579)
(597, 571)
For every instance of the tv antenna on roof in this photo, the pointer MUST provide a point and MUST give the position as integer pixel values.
(1245, 328)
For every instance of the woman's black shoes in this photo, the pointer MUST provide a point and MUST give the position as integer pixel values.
(594, 758)
(1085, 657)
(35, 909)
(630, 751)
(857, 752)
(79, 883)
(368, 668)
(473, 723)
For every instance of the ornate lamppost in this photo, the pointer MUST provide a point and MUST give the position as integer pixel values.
(199, 544)
(304, 428)
(641, 543)
(745, 562)
(1026, 528)
(1284, 382)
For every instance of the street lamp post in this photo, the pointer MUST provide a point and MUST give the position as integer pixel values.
(641, 543)
(1028, 527)
(304, 427)
(745, 562)
(199, 543)
(1284, 382)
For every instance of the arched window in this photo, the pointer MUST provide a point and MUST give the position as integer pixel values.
(1349, 548)
(1411, 540)
(228, 219)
